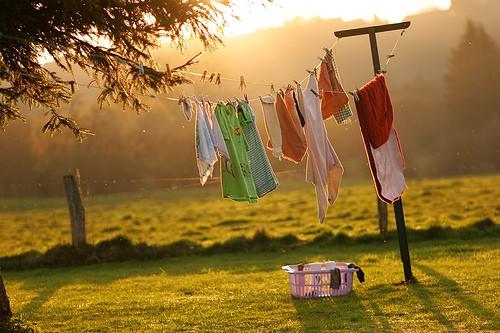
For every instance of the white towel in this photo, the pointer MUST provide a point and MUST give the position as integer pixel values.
(389, 165)
(324, 169)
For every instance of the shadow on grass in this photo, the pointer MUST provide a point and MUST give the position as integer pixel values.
(381, 317)
(18, 325)
(44, 294)
(453, 288)
(334, 314)
(348, 312)
(122, 249)
(426, 298)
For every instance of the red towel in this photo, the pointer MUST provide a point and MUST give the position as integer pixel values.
(375, 116)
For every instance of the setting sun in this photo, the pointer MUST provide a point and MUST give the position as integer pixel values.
(253, 16)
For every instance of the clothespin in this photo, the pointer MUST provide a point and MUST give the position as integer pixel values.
(204, 76)
(141, 67)
(315, 93)
(246, 97)
(243, 84)
(72, 85)
(169, 73)
(313, 72)
(211, 78)
(217, 79)
(354, 93)
(273, 91)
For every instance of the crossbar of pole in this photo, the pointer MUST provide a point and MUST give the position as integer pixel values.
(372, 29)
(398, 204)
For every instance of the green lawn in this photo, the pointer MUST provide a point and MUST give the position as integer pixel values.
(457, 291)
(200, 214)
(247, 292)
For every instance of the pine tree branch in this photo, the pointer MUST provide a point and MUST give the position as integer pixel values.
(72, 33)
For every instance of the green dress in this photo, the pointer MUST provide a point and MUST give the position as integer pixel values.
(237, 181)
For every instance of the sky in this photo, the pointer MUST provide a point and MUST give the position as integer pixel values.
(252, 15)
(255, 16)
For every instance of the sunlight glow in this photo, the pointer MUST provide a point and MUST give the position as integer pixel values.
(254, 16)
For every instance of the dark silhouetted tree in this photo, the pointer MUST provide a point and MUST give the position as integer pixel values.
(473, 83)
(5, 313)
(109, 39)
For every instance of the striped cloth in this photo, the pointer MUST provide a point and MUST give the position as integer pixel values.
(263, 175)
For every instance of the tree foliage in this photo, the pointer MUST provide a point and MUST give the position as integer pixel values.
(473, 81)
(474, 69)
(110, 40)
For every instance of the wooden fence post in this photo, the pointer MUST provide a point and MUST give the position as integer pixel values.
(5, 312)
(76, 209)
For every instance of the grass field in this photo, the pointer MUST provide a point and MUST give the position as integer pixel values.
(247, 292)
(200, 214)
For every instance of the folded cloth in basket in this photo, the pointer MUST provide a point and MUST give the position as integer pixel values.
(359, 273)
(335, 278)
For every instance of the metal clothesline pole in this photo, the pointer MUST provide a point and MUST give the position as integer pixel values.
(398, 205)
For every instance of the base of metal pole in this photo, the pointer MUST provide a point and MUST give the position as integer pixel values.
(403, 241)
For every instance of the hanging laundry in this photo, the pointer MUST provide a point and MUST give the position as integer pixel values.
(297, 118)
(301, 117)
(334, 100)
(187, 107)
(216, 134)
(219, 138)
(208, 120)
(262, 172)
(206, 156)
(272, 125)
(294, 144)
(389, 166)
(323, 169)
(237, 181)
(381, 141)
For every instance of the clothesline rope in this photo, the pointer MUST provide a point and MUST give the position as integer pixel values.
(391, 54)
(271, 85)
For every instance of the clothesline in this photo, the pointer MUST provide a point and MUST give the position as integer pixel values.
(156, 96)
(138, 64)
(270, 85)
(295, 126)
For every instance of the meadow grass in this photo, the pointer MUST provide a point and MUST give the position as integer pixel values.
(201, 216)
(457, 291)
(246, 291)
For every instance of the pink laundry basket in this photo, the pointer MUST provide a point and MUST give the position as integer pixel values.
(314, 279)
